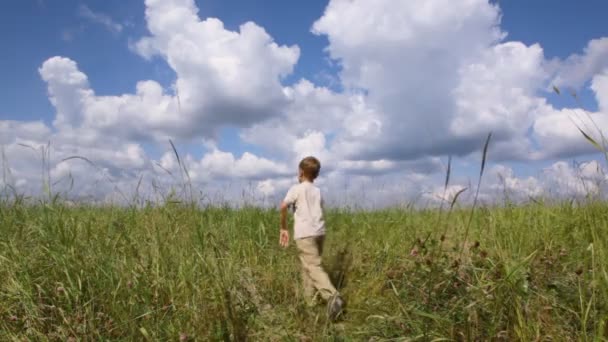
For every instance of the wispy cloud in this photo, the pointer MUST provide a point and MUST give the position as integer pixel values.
(100, 18)
(67, 35)
(70, 34)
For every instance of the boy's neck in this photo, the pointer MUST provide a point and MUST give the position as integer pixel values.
(304, 179)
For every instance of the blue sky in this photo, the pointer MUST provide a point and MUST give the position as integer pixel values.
(102, 37)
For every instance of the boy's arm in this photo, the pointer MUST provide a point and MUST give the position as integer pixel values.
(284, 234)
(284, 208)
(290, 199)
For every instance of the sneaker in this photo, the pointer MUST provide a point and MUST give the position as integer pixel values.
(335, 307)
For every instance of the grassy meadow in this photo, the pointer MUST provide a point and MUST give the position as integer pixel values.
(177, 273)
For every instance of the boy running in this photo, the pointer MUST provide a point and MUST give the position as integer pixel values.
(309, 234)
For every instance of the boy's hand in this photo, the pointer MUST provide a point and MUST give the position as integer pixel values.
(284, 238)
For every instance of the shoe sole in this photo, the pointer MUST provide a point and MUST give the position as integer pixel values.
(335, 308)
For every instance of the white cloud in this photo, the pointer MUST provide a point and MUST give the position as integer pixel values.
(422, 79)
(558, 181)
(437, 82)
(371, 37)
(274, 187)
(503, 182)
(581, 180)
(599, 85)
(436, 75)
(223, 77)
(558, 130)
(314, 114)
(577, 69)
(494, 93)
(446, 195)
(218, 164)
(67, 88)
(23, 132)
(100, 18)
(149, 113)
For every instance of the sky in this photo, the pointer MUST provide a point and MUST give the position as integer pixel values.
(382, 92)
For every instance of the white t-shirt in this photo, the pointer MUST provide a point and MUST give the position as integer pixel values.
(308, 216)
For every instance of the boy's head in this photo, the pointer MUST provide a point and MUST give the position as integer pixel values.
(309, 168)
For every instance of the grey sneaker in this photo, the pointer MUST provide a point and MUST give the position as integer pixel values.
(335, 307)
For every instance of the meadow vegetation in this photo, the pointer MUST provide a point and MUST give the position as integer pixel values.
(180, 272)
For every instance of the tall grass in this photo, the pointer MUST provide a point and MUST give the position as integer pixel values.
(176, 272)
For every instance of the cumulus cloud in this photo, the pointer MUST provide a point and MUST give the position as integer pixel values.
(407, 58)
(577, 69)
(148, 113)
(446, 194)
(23, 132)
(437, 81)
(558, 181)
(503, 181)
(223, 76)
(439, 86)
(218, 164)
(564, 180)
(599, 85)
(557, 130)
(494, 92)
(422, 79)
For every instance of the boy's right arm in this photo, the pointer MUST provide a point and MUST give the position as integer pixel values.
(290, 199)
(284, 234)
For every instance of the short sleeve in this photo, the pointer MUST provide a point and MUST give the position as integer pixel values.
(291, 196)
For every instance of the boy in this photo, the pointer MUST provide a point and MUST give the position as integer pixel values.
(309, 234)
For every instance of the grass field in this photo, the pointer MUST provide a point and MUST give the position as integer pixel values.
(534, 272)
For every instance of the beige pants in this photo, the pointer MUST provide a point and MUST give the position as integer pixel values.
(314, 278)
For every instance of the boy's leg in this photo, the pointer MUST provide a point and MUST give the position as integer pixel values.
(307, 282)
(308, 285)
(310, 256)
